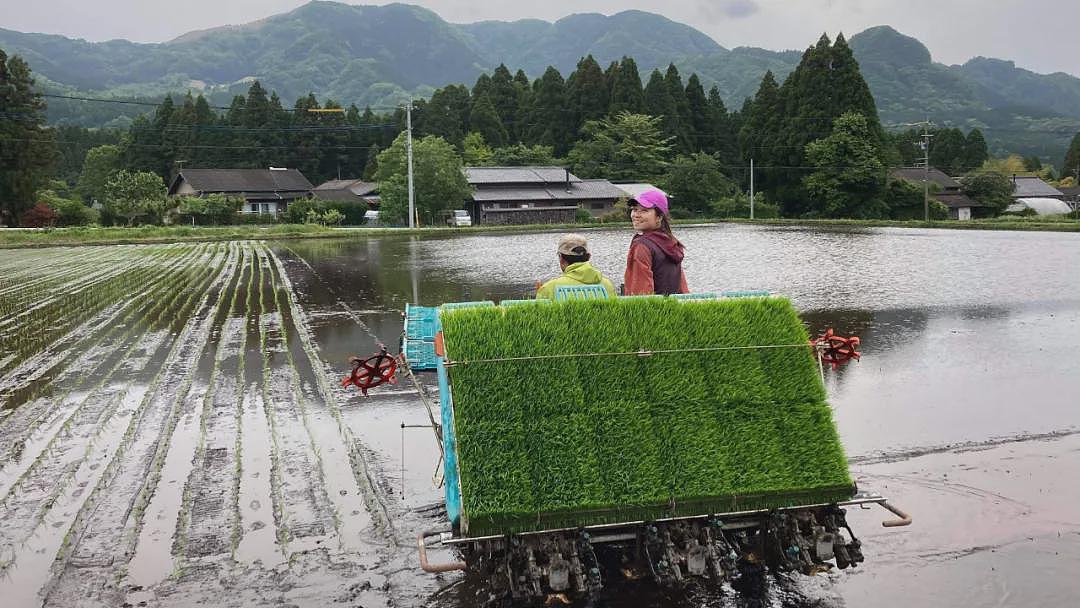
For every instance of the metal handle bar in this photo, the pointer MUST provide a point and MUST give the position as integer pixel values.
(905, 519)
(446, 567)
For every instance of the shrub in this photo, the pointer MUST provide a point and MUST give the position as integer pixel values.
(69, 212)
(582, 216)
(739, 206)
(39, 216)
(620, 212)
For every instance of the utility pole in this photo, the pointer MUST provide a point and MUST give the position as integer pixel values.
(408, 154)
(926, 171)
(751, 188)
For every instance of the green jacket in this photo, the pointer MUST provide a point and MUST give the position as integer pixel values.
(582, 273)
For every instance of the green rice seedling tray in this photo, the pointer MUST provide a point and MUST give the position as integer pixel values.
(590, 412)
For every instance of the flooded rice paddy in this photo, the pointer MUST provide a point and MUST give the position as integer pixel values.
(172, 430)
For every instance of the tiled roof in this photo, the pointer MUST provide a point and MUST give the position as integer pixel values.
(917, 174)
(517, 175)
(1033, 187)
(592, 189)
(242, 180)
(356, 186)
(954, 200)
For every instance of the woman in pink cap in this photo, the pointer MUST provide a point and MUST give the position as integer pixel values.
(654, 262)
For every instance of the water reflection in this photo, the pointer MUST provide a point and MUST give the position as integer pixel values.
(966, 336)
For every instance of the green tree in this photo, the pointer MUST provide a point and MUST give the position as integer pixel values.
(991, 188)
(485, 121)
(975, 150)
(446, 114)
(69, 212)
(100, 163)
(906, 202)
(520, 155)
(682, 118)
(549, 119)
(27, 151)
(130, 195)
(849, 177)
(700, 124)
(477, 153)
(695, 181)
(371, 168)
(1071, 164)
(722, 137)
(659, 102)
(627, 147)
(439, 183)
(826, 84)
(505, 97)
(948, 151)
(626, 91)
(587, 93)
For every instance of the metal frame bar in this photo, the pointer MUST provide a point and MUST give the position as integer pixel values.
(862, 498)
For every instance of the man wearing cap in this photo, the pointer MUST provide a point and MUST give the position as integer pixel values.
(574, 261)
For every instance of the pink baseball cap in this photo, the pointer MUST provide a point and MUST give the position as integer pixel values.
(654, 199)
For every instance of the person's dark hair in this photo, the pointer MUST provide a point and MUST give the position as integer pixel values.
(582, 256)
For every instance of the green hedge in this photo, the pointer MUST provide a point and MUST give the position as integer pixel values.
(577, 441)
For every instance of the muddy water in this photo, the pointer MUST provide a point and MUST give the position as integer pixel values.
(963, 409)
(181, 438)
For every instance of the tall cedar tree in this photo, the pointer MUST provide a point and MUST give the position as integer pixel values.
(504, 96)
(761, 128)
(659, 102)
(485, 121)
(446, 114)
(587, 93)
(723, 132)
(1071, 164)
(681, 119)
(549, 120)
(626, 92)
(948, 151)
(27, 151)
(700, 122)
(826, 84)
(976, 152)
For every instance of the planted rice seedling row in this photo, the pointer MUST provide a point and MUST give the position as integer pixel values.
(571, 441)
(48, 322)
(94, 444)
(50, 393)
(87, 418)
(115, 510)
(213, 525)
(356, 497)
(308, 513)
(139, 433)
(57, 416)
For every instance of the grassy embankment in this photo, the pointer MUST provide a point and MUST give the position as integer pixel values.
(168, 234)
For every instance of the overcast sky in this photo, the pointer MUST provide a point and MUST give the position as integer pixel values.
(1041, 35)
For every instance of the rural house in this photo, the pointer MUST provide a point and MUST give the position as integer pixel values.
(349, 191)
(943, 189)
(263, 190)
(535, 195)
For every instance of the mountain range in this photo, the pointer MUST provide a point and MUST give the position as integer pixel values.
(382, 55)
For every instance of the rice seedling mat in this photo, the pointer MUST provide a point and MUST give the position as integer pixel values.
(577, 439)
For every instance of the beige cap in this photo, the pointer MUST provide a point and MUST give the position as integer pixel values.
(572, 244)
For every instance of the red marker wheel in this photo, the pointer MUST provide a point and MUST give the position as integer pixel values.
(371, 372)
